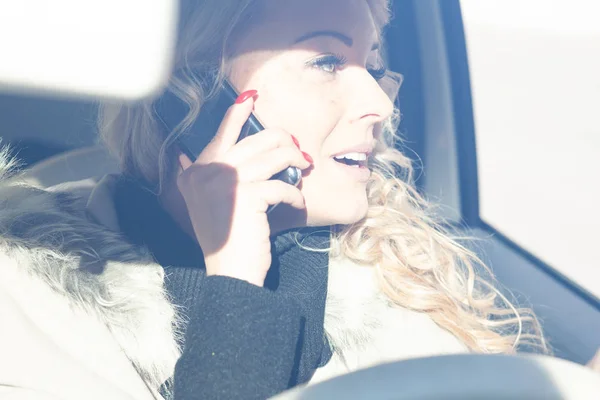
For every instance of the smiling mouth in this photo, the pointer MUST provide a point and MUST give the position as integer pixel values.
(357, 160)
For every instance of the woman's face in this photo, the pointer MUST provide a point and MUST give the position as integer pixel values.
(309, 60)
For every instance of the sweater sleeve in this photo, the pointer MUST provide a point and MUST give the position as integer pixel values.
(240, 343)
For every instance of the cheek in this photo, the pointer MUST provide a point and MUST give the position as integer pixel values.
(315, 123)
(310, 109)
(303, 111)
(291, 98)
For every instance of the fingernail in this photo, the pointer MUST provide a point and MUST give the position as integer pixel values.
(308, 157)
(296, 142)
(245, 96)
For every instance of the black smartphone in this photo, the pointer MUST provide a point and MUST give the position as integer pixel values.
(192, 142)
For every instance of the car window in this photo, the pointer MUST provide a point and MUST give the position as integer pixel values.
(536, 95)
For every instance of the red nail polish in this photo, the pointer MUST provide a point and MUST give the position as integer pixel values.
(245, 96)
(296, 142)
(308, 158)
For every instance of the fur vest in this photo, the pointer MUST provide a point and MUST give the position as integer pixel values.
(85, 315)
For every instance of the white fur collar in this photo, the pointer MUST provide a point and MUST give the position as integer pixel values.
(48, 236)
(365, 329)
(102, 297)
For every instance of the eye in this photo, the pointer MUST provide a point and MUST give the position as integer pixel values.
(377, 73)
(329, 63)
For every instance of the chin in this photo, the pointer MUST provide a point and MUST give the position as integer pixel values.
(339, 211)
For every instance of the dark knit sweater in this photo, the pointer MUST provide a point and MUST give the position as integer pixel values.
(241, 341)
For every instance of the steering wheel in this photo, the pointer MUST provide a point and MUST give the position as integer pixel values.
(460, 377)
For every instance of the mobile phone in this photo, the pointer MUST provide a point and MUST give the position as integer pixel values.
(171, 111)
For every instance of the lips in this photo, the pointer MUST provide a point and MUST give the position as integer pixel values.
(356, 156)
(353, 159)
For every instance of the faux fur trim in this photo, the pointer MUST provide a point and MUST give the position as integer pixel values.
(100, 275)
(94, 269)
(365, 329)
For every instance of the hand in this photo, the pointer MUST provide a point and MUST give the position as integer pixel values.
(227, 192)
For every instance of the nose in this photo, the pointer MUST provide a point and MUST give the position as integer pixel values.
(371, 103)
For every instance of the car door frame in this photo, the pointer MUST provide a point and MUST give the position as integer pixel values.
(443, 111)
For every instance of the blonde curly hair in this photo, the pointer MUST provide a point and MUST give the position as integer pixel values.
(421, 266)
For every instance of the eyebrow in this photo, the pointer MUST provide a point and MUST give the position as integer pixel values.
(337, 35)
(347, 40)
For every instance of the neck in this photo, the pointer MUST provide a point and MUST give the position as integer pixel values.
(172, 201)
(285, 217)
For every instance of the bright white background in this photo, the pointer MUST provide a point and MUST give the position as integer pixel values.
(535, 70)
(107, 48)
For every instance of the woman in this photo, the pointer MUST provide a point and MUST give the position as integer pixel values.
(245, 291)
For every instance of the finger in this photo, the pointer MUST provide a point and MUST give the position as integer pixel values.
(259, 143)
(230, 128)
(276, 192)
(265, 165)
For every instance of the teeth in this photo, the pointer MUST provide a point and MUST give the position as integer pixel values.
(353, 156)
